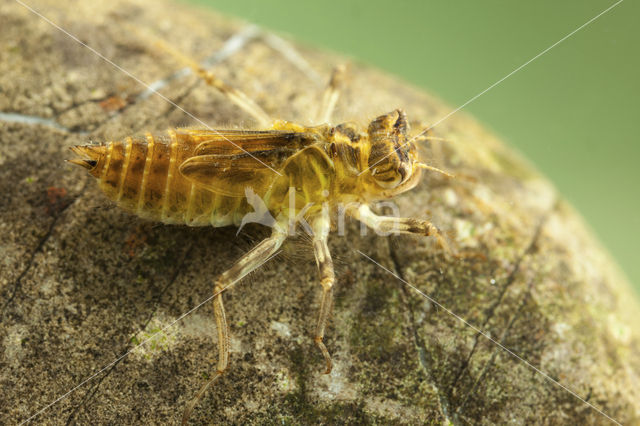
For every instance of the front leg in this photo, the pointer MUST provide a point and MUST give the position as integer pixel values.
(397, 225)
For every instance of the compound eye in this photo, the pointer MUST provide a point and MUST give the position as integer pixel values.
(404, 173)
(387, 178)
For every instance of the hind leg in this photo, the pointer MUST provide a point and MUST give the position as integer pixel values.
(235, 95)
(246, 264)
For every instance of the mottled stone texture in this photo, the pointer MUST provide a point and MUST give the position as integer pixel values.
(82, 282)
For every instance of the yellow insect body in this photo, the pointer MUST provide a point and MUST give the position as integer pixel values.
(301, 175)
(200, 177)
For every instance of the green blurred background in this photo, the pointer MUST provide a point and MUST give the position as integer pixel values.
(572, 112)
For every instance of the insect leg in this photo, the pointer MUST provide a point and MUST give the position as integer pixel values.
(397, 225)
(331, 94)
(246, 264)
(320, 228)
(235, 95)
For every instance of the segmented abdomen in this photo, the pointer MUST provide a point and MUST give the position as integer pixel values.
(141, 175)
